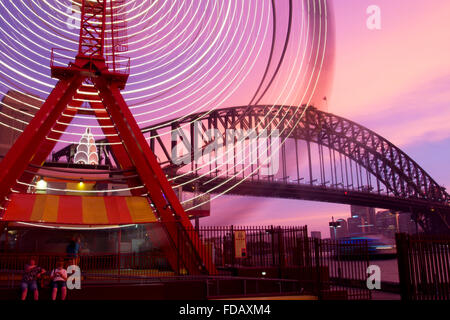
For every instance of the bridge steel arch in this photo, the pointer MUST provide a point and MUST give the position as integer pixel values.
(386, 177)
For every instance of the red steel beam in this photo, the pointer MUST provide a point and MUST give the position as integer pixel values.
(125, 163)
(47, 146)
(27, 145)
(160, 191)
(119, 151)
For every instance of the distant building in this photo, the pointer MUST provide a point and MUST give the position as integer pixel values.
(366, 218)
(354, 225)
(338, 229)
(365, 221)
(386, 223)
(17, 109)
(316, 235)
(342, 230)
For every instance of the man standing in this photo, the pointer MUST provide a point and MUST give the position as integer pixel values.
(73, 248)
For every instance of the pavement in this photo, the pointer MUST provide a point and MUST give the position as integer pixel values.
(302, 297)
(382, 295)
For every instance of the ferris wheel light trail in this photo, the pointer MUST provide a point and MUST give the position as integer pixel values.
(187, 57)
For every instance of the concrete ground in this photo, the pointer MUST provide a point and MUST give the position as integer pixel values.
(275, 298)
(381, 295)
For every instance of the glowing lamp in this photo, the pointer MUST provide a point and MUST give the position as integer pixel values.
(41, 184)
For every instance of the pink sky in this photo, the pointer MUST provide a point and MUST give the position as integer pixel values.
(396, 81)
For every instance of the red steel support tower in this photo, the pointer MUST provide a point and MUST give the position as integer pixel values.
(91, 74)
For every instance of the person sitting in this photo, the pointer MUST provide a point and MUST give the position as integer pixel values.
(59, 278)
(29, 281)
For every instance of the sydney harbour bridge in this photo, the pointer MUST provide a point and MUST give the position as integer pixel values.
(323, 157)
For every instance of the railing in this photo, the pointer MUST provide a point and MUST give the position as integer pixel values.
(424, 266)
(258, 247)
(325, 268)
(93, 267)
(334, 269)
(63, 58)
(264, 245)
(217, 287)
(328, 269)
(223, 287)
(120, 64)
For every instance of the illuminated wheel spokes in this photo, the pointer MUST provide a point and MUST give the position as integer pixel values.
(187, 56)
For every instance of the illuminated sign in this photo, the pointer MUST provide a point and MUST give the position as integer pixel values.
(240, 244)
(86, 150)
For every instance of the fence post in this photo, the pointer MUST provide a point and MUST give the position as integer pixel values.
(233, 247)
(178, 249)
(118, 249)
(300, 262)
(306, 250)
(402, 243)
(280, 251)
(272, 245)
(317, 263)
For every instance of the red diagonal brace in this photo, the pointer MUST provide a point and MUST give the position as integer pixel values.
(27, 145)
(160, 191)
(47, 146)
(112, 136)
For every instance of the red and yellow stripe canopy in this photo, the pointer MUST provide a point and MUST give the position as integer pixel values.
(83, 210)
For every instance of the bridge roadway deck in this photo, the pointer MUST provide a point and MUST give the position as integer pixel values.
(277, 189)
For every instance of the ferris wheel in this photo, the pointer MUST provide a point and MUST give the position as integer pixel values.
(182, 57)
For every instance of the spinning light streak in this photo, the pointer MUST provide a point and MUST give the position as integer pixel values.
(186, 56)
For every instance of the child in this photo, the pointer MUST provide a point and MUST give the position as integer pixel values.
(29, 281)
(59, 278)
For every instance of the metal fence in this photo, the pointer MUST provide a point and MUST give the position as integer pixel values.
(94, 268)
(329, 269)
(232, 247)
(424, 266)
(261, 246)
(334, 269)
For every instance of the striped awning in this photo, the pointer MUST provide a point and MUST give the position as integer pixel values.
(82, 210)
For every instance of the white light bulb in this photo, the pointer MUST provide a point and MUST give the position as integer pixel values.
(41, 185)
